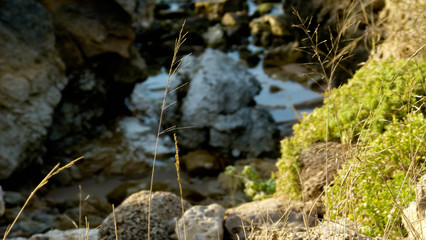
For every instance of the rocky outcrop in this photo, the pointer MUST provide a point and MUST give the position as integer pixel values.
(31, 80)
(131, 217)
(201, 222)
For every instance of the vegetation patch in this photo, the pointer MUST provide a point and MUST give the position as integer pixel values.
(380, 111)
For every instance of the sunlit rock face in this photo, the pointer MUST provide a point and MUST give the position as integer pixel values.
(31, 80)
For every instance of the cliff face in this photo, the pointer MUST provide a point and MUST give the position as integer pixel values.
(31, 79)
(59, 57)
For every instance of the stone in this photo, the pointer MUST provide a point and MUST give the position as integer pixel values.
(31, 81)
(273, 212)
(316, 162)
(282, 55)
(201, 163)
(201, 223)
(2, 207)
(131, 217)
(232, 19)
(415, 213)
(141, 11)
(221, 108)
(215, 37)
(73, 234)
(273, 24)
(128, 148)
(95, 29)
(215, 9)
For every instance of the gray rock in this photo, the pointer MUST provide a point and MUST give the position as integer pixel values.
(220, 107)
(131, 217)
(2, 207)
(202, 223)
(73, 234)
(31, 80)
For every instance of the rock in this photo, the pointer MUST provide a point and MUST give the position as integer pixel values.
(215, 9)
(131, 217)
(248, 58)
(268, 30)
(31, 80)
(232, 19)
(127, 149)
(240, 133)
(73, 234)
(2, 207)
(273, 212)
(316, 161)
(124, 70)
(223, 119)
(416, 212)
(281, 55)
(201, 163)
(215, 37)
(95, 29)
(141, 11)
(202, 223)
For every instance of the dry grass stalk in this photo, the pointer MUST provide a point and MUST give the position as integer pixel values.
(43, 182)
(174, 69)
(180, 184)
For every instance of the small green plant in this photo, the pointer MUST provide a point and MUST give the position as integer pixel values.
(254, 186)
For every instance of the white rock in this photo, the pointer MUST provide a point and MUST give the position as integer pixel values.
(416, 213)
(202, 223)
(73, 234)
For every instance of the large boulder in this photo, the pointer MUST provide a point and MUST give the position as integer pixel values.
(131, 217)
(31, 80)
(220, 107)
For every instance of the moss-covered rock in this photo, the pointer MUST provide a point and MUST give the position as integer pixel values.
(355, 113)
(378, 181)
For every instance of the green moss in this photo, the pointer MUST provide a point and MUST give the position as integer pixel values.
(355, 113)
(381, 174)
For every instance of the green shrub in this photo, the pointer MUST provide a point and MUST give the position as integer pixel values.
(355, 113)
(254, 186)
(381, 174)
